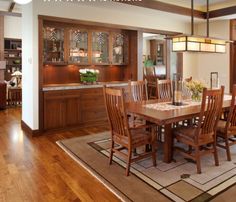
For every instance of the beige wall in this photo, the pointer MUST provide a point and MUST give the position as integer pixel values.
(106, 12)
(12, 27)
(200, 65)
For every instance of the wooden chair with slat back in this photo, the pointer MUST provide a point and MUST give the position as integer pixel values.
(137, 91)
(164, 90)
(123, 136)
(196, 137)
(226, 130)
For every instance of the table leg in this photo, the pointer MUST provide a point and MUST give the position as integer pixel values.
(168, 144)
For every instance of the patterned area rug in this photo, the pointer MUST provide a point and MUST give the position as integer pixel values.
(177, 181)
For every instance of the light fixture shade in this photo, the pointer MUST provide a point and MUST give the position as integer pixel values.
(22, 1)
(183, 43)
(17, 73)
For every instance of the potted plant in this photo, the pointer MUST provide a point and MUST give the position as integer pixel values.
(196, 88)
(88, 75)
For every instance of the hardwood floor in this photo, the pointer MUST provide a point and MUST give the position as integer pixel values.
(36, 169)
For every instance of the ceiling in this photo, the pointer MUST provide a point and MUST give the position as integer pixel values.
(201, 4)
(4, 6)
(198, 4)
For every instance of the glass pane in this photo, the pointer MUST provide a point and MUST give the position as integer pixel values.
(120, 48)
(78, 46)
(100, 47)
(53, 44)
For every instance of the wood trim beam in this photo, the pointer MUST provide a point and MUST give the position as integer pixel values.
(157, 5)
(222, 12)
(106, 25)
(11, 7)
(3, 13)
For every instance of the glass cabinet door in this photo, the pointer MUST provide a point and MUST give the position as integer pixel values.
(119, 48)
(100, 48)
(78, 47)
(53, 44)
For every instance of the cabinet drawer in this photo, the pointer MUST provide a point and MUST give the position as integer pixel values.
(92, 91)
(63, 94)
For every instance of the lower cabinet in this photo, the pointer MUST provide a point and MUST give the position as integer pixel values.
(68, 108)
(61, 109)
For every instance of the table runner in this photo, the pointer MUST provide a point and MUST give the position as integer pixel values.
(166, 106)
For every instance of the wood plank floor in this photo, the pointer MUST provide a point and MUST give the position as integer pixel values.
(36, 169)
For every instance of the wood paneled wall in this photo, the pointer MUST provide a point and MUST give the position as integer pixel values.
(70, 74)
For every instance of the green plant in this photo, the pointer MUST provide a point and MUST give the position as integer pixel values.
(88, 75)
(196, 88)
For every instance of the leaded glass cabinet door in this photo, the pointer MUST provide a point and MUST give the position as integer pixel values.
(53, 44)
(100, 48)
(78, 46)
(119, 48)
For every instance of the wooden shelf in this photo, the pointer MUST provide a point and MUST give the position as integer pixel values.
(13, 57)
(56, 63)
(13, 50)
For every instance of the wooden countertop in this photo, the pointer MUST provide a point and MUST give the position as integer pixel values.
(74, 86)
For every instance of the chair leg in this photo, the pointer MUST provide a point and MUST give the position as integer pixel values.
(215, 154)
(128, 161)
(154, 154)
(227, 149)
(198, 160)
(111, 152)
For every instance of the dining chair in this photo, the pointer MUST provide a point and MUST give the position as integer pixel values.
(164, 90)
(226, 129)
(137, 91)
(204, 133)
(125, 138)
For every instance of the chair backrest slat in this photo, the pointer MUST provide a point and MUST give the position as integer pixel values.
(210, 112)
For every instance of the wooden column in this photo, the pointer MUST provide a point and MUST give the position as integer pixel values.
(1, 45)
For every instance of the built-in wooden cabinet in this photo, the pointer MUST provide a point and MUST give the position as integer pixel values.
(80, 46)
(61, 109)
(120, 54)
(68, 108)
(53, 46)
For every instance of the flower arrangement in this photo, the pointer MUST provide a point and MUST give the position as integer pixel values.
(196, 88)
(88, 75)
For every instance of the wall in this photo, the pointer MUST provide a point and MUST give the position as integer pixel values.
(12, 27)
(200, 65)
(146, 46)
(107, 12)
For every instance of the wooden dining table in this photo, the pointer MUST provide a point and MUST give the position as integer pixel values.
(167, 118)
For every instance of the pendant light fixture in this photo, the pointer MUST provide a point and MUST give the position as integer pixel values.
(193, 43)
(22, 1)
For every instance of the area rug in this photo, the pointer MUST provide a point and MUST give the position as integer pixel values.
(177, 181)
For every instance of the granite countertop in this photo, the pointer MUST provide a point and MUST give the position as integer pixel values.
(74, 86)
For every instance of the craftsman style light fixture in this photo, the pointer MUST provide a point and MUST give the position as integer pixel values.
(22, 1)
(195, 43)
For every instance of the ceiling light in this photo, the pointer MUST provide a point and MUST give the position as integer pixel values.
(193, 43)
(22, 1)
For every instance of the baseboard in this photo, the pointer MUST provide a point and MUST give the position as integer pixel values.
(28, 130)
